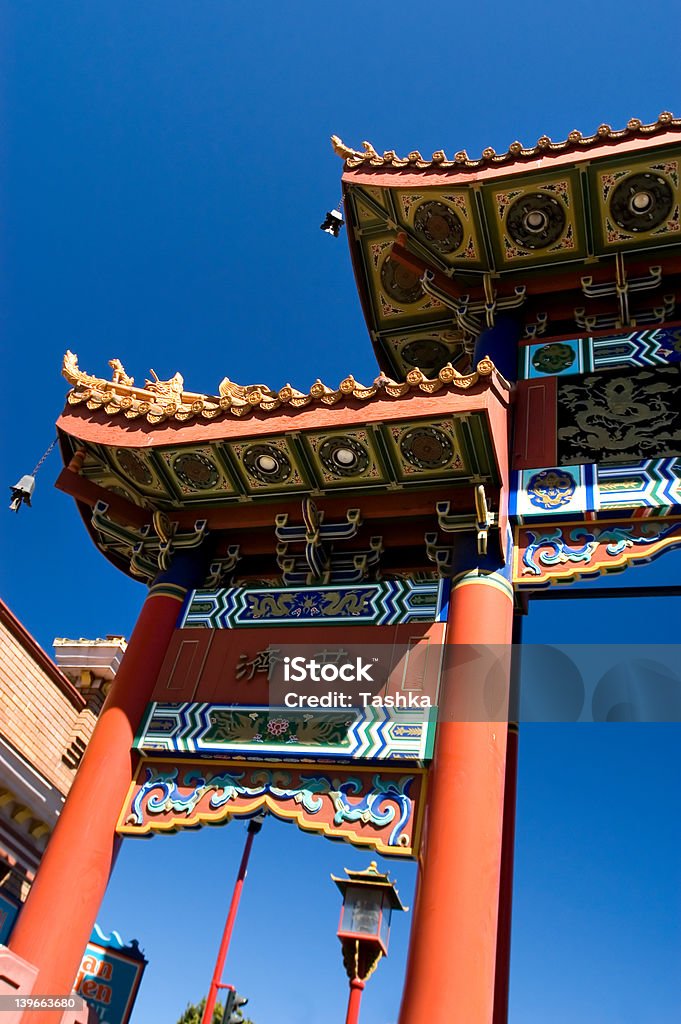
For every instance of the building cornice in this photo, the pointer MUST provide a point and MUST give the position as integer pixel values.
(159, 401)
(575, 142)
(41, 658)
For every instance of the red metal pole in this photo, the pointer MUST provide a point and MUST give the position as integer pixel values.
(253, 827)
(354, 1000)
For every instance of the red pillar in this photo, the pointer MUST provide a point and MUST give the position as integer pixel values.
(452, 954)
(55, 924)
(354, 1000)
(503, 969)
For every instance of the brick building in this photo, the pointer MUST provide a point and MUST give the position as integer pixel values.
(46, 719)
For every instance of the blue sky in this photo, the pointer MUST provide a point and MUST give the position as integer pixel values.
(165, 169)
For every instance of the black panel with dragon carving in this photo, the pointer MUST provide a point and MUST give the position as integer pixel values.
(617, 418)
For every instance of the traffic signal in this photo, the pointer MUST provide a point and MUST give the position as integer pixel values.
(233, 1004)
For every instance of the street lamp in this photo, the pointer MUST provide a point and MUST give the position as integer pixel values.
(369, 899)
(254, 826)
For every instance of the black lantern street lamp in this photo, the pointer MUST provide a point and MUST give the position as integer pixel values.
(369, 899)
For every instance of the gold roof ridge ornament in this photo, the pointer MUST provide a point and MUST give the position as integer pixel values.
(368, 155)
(159, 401)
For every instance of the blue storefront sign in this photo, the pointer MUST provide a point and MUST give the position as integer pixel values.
(8, 915)
(110, 975)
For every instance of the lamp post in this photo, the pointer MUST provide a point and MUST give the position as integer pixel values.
(369, 899)
(254, 826)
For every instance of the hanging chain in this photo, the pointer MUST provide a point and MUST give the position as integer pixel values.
(47, 453)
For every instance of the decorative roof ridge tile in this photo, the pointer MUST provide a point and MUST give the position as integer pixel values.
(368, 155)
(160, 401)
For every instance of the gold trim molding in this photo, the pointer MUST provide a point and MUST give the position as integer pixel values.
(516, 151)
(165, 400)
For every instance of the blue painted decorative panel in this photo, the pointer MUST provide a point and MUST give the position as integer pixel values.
(562, 492)
(651, 484)
(389, 602)
(372, 733)
(634, 349)
(649, 487)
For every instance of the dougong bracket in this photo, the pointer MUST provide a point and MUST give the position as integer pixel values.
(319, 563)
(146, 552)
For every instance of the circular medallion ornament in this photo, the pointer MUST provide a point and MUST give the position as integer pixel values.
(426, 447)
(535, 221)
(551, 489)
(641, 202)
(134, 466)
(196, 471)
(267, 464)
(438, 226)
(553, 358)
(426, 353)
(344, 456)
(400, 283)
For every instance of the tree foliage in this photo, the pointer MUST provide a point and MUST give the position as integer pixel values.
(194, 1012)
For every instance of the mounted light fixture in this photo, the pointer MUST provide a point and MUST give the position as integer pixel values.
(22, 492)
(333, 222)
(369, 898)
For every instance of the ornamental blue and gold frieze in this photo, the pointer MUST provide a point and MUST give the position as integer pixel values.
(549, 553)
(376, 732)
(631, 349)
(560, 492)
(375, 808)
(603, 417)
(649, 488)
(388, 602)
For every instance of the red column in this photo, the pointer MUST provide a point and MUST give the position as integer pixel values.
(503, 968)
(451, 965)
(55, 924)
(354, 1000)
